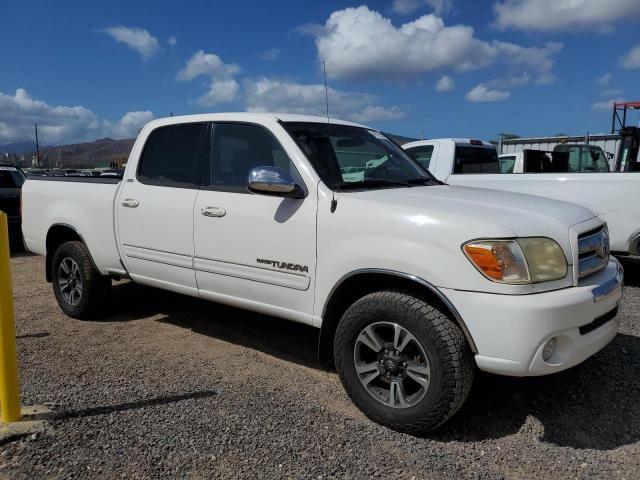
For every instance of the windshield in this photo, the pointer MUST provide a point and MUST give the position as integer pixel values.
(10, 177)
(348, 157)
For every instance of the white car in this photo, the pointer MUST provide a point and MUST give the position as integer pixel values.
(410, 281)
(613, 196)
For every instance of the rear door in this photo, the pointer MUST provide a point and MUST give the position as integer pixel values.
(254, 250)
(155, 207)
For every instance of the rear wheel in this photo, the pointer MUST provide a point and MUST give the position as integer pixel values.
(404, 363)
(81, 291)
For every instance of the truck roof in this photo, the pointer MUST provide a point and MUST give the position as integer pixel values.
(248, 117)
(457, 141)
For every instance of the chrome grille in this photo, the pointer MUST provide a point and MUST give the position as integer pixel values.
(593, 251)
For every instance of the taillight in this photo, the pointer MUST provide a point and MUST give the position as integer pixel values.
(475, 142)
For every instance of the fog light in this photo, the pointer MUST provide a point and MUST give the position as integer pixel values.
(549, 349)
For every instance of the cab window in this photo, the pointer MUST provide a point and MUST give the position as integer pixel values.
(421, 154)
(170, 156)
(507, 164)
(236, 148)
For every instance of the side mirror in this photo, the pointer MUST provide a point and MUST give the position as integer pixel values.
(274, 181)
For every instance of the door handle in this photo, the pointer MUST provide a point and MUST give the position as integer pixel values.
(130, 203)
(213, 211)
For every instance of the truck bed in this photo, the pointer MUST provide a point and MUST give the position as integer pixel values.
(85, 203)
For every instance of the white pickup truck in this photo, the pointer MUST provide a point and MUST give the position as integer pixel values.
(613, 196)
(333, 225)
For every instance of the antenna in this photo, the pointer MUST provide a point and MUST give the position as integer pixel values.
(326, 89)
(334, 202)
(37, 146)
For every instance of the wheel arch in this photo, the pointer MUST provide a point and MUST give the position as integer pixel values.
(359, 283)
(58, 234)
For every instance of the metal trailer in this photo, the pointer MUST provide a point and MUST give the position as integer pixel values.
(609, 144)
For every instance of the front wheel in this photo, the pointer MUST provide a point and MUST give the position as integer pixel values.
(404, 363)
(81, 291)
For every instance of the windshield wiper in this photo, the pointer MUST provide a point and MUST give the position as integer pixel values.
(370, 183)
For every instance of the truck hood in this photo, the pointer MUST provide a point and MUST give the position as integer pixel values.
(524, 215)
(421, 230)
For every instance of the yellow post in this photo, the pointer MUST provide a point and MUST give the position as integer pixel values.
(9, 387)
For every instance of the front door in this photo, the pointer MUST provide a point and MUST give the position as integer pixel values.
(155, 208)
(253, 250)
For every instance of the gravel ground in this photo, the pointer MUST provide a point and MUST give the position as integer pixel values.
(169, 386)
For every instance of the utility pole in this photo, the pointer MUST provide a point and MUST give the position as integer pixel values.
(37, 147)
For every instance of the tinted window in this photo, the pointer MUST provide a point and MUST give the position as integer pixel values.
(421, 154)
(171, 154)
(237, 148)
(10, 177)
(476, 160)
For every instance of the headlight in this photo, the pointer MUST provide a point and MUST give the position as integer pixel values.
(525, 260)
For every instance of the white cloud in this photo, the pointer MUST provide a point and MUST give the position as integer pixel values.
(405, 7)
(220, 91)
(60, 124)
(607, 104)
(604, 79)
(172, 41)
(222, 88)
(130, 124)
(272, 95)
(532, 64)
(270, 55)
(441, 7)
(206, 64)
(350, 44)
(481, 94)
(565, 15)
(632, 59)
(445, 84)
(137, 39)
(373, 113)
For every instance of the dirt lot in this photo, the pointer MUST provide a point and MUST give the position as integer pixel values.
(168, 386)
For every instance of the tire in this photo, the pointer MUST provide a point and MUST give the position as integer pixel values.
(433, 388)
(72, 261)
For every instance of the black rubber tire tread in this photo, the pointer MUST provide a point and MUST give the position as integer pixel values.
(451, 359)
(96, 288)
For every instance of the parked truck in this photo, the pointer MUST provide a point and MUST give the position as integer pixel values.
(612, 196)
(563, 159)
(331, 224)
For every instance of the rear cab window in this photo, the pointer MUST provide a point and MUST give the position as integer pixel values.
(470, 159)
(10, 177)
(172, 153)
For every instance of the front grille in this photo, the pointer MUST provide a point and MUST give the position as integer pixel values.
(598, 322)
(593, 251)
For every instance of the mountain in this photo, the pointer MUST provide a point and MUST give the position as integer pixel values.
(18, 148)
(104, 152)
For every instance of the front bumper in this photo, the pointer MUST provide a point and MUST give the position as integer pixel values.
(510, 331)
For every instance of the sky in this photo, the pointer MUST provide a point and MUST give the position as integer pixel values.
(85, 70)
